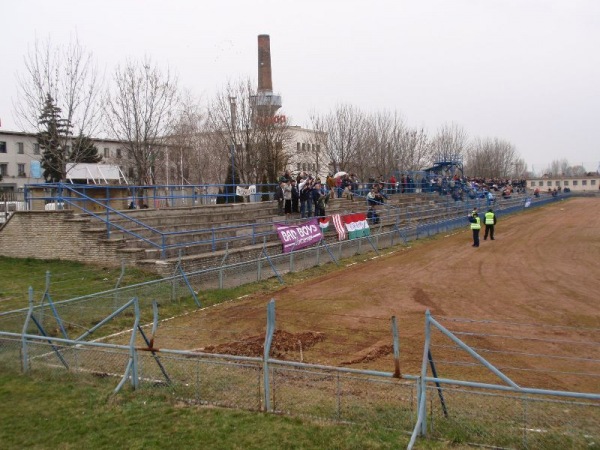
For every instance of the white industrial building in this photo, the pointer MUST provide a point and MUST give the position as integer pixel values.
(20, 156)
(580, 183)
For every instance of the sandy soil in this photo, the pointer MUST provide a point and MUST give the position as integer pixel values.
(530, 299)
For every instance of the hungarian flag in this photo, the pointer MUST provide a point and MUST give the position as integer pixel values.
(357, 225)
(324, 223)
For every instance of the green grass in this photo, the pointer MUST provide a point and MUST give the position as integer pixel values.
(68, 279)
(85, 414)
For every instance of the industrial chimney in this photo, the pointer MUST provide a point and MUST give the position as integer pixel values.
(265, 81)
(265, 102)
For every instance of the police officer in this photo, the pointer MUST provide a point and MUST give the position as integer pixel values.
(475, 226)
(490, 221)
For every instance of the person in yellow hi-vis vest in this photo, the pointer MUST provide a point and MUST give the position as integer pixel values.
(475, 226)
(490, 221)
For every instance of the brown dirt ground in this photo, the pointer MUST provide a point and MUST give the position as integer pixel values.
(542, 268)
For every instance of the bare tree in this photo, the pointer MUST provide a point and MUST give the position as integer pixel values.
(255, 144)
(414, 150)
(141, 111)
(377, 156)
(563, 168)
(343, 126)
(450, 143)
(66, 80)
(494, 158)
(193, 155)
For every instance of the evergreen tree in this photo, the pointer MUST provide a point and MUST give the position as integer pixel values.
(229, 191)
(51, 140)
(84, 151)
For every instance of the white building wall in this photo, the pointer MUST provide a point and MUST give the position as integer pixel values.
(575, 184)
(12, 159)
(307, 152)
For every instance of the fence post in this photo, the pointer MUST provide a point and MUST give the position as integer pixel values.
(396, 340)
(133, 352)
(267, 349)
(423, 399)
(24, 352)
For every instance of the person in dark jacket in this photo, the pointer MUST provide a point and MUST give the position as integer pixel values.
(306, 201)
(295, 197)
(372, 216)
(319, 200)
(279, 197)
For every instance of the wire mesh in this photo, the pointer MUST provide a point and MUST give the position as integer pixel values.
(343, 397)
(512, 421)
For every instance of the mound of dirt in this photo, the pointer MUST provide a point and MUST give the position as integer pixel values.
(371, 355)
(283, 342)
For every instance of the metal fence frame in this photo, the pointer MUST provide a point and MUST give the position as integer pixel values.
(325, 392)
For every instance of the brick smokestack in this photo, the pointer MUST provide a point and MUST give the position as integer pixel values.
(265, 82)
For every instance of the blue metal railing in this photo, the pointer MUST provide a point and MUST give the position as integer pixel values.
(74, 196)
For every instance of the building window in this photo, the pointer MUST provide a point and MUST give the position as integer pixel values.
(21, 169)
(303, 147)
(118, 153)
(575, 182)
(593, 182)
(549, 184)
(297, 146)
(298, 167)
(4, 170)
(2, 147)
(557, 183)
(20, 148)
(566, 182)
(36, 149)
(304, 167)
(131, 173)
(532, 183)
(584, 182)
(318, 148)
(106, 152)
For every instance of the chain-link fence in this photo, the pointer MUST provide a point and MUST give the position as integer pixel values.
(456, 413)
(510, 420)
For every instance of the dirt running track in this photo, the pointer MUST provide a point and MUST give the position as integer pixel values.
(542, 268)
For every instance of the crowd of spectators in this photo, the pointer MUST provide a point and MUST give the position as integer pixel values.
(307, 196)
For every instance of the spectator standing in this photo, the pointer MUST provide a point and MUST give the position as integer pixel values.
(295, 197)
(490, 198)
(319, 199)
(490, 221)
(287, 199)
(279, 197)
(331, 185)
(475, 221)
(305, 189)
(372, 216)
(392, 184)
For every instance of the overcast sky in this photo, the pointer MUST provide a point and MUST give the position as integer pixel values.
(527, 71)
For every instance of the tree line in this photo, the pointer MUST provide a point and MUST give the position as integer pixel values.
(169, 136)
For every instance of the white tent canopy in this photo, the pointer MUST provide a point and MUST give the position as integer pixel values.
(95, 173)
